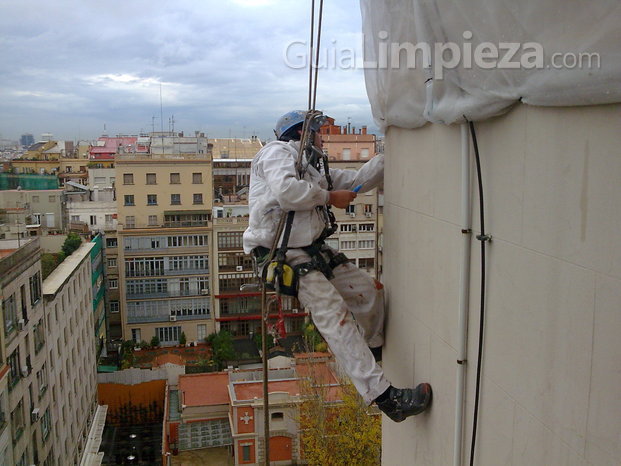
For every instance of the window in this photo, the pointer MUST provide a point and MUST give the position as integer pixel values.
(111, 242)
(184, 241)
(175, 199)
(136, 335)
(52, 198)
(39, 337)
(366, 227)
(10, 314)
(368, 208)
(347, 153)
(128, 178)
(42, 380)
(348, 227)
(35, 198)
(246, 453)
(114, 307)
(366, 244)
(152, 220)
(151, 199)
(130, 221)
(197, 178)
(364, 153)
(100, 180)
(366, 263)
(350, 209)
(112, 262)
(14, 368)
(35, 288)
(113, 283)
(151, 178)
(74, 218)
(201, 332)
(175, 178)
(17, 422)
(348, 245)
(144, 267)
(93, 219)
(197, 198)
(109, 219)
(46, 426)
(230, 240)
(168, 334)
(129, 199)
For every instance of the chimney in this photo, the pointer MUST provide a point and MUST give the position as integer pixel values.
(364, 130)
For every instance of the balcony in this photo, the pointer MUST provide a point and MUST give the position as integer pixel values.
(167, 294)
(131, 319)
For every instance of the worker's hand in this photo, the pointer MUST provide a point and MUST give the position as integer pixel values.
(341, 199)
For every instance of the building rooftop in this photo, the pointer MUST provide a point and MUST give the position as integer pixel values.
(61, 274)
(252, 390)
(193, 391)
(235, 148)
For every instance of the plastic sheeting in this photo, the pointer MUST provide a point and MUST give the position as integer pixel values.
(409, 95)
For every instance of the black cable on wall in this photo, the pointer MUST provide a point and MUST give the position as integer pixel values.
(483, 238)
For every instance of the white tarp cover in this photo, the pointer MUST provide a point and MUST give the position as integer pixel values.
(400, 96)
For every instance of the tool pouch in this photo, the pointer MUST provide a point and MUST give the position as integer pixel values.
(281, 276)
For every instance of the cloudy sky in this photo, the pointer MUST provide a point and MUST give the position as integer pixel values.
(70, 67)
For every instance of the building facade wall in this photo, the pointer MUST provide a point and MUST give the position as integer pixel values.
(71, 347)
(164, 244)
(549, 393)
(22, 326)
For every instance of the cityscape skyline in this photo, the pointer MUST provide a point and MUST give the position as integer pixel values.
(79, 71)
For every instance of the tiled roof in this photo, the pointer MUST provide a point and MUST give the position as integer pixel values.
(204, 389)
(252, 390)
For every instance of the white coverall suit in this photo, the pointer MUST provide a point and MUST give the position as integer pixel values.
(274, 188)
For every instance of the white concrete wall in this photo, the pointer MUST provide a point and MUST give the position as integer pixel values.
(552, 361)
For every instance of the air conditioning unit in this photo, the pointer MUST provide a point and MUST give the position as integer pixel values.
(25, 371)
(368, 214)
(239, 268)
(295, 311)
(20, 324)
(352, 214)
(173, 318)
(34, 416)
(205, 291)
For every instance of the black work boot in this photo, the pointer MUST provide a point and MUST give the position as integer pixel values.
(404, 402)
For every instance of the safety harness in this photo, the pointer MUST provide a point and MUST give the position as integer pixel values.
(280, 276)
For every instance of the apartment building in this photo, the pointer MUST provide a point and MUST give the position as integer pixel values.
(344, 143)
(237, 304)
(32, 212)
(26, 421)
(163, 240)
(70, 365)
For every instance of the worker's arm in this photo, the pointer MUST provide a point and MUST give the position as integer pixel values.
(370, 176)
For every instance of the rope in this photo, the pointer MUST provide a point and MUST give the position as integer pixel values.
(312, 100)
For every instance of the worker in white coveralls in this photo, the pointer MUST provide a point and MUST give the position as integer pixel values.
(345, 303)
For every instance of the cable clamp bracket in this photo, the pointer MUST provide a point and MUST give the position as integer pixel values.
(461, 361)
(484, 238)
(466, 231)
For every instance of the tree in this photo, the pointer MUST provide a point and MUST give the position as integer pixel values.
(258, 340)
(49, 262)
(312, 339)
(182, 339)
(155, 341)
(222, 349)
(72, 242)
(342, 433)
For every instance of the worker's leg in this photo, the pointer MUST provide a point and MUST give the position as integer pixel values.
(334, 321)
(365, 299)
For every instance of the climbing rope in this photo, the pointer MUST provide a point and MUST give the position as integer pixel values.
(304, 144)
